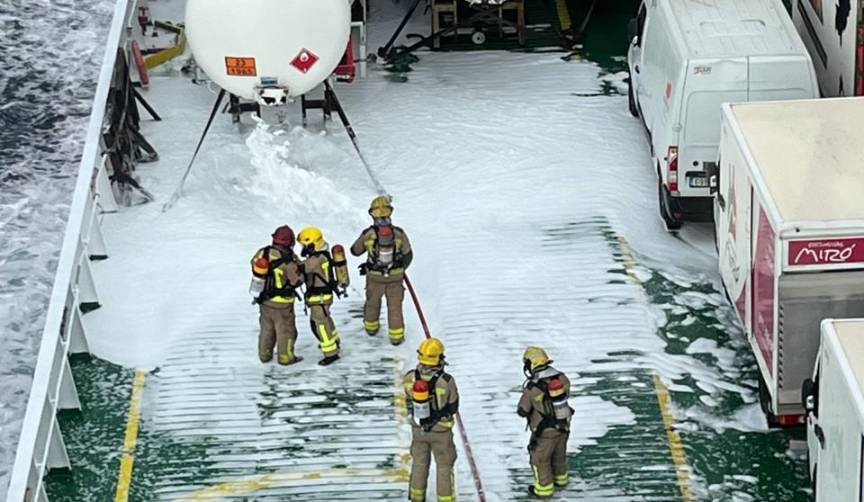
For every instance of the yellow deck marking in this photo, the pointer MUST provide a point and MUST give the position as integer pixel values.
(676, 446)
(124, 480)
(674, 439)
(253, 484)
(563, 14)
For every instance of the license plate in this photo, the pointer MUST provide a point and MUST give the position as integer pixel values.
(699, 182)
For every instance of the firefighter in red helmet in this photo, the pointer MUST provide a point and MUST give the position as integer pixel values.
(276, 275)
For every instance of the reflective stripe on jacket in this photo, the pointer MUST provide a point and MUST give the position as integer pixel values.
(283, 276)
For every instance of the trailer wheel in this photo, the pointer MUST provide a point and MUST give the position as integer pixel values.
(631, 98)
(765, 404)
(664, 199)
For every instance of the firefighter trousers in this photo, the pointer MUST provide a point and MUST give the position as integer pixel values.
(548, 452)
(324, 329)
(440, 445)
(378, 286)
(277, 329)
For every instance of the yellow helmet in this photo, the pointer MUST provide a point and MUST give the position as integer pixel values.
(431, 352)
(381, 207)
(535, 357)
(311, 237)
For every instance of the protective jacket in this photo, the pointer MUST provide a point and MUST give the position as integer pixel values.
(320, 286)
(382, 257)
(535, 404)
(445, 402)
(283, 276)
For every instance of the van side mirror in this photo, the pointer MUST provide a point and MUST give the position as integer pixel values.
(712, 171)
(633, 31)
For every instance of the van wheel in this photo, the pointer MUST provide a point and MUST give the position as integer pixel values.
(634, 110)
(665, 200)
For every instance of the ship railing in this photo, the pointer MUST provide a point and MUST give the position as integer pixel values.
(41, 446)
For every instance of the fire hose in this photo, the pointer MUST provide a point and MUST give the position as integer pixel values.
(469, 453)
(472, 464)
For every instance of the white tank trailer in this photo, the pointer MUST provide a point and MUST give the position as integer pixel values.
(269, 51)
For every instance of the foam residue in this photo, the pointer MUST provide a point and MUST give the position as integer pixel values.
(280, 182)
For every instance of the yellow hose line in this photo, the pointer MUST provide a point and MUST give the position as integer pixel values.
(563, 14)
(124, 480)
(165, 55)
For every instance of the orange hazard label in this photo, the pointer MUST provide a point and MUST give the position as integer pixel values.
(240, 67)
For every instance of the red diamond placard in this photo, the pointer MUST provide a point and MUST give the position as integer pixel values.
(305, 60)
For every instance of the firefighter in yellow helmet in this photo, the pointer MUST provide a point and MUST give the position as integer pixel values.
(276, 276)
(544, 405)
(388, 254)
(320, 288)
(433, 401)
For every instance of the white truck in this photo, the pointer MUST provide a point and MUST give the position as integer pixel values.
(688, 57)
(833, 31)
(789, 223)
(834, 399)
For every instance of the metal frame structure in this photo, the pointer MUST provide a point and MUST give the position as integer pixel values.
(40, 446)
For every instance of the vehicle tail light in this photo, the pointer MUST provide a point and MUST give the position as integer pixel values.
(672, 168)
(788, 420)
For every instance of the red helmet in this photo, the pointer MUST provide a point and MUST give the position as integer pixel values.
(284, 236)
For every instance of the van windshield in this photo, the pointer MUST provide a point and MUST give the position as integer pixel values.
(806, 299)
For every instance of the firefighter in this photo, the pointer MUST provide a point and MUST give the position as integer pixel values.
(320, 288)
(388, 254)
(433, 401)
(276, 276)
(544, 405)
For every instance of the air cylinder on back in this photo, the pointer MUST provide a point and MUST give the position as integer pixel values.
(270, 51)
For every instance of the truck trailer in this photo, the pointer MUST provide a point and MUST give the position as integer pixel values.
(789, 223)
(833, 32)
(834, 399)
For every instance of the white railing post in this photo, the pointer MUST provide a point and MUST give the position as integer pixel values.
(77, 334)
(97, 250)
(87, 294)
(58, 458)
(104, 194)
(67, 399)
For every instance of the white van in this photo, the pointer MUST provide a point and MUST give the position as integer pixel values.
(789, 223)
(686, 58)
(834, 399)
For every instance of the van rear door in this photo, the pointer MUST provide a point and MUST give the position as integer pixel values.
(777, 78)
(708, 85)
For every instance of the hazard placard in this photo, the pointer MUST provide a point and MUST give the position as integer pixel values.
(240, 67)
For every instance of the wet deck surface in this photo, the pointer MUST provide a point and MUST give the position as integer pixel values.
(218, 425)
